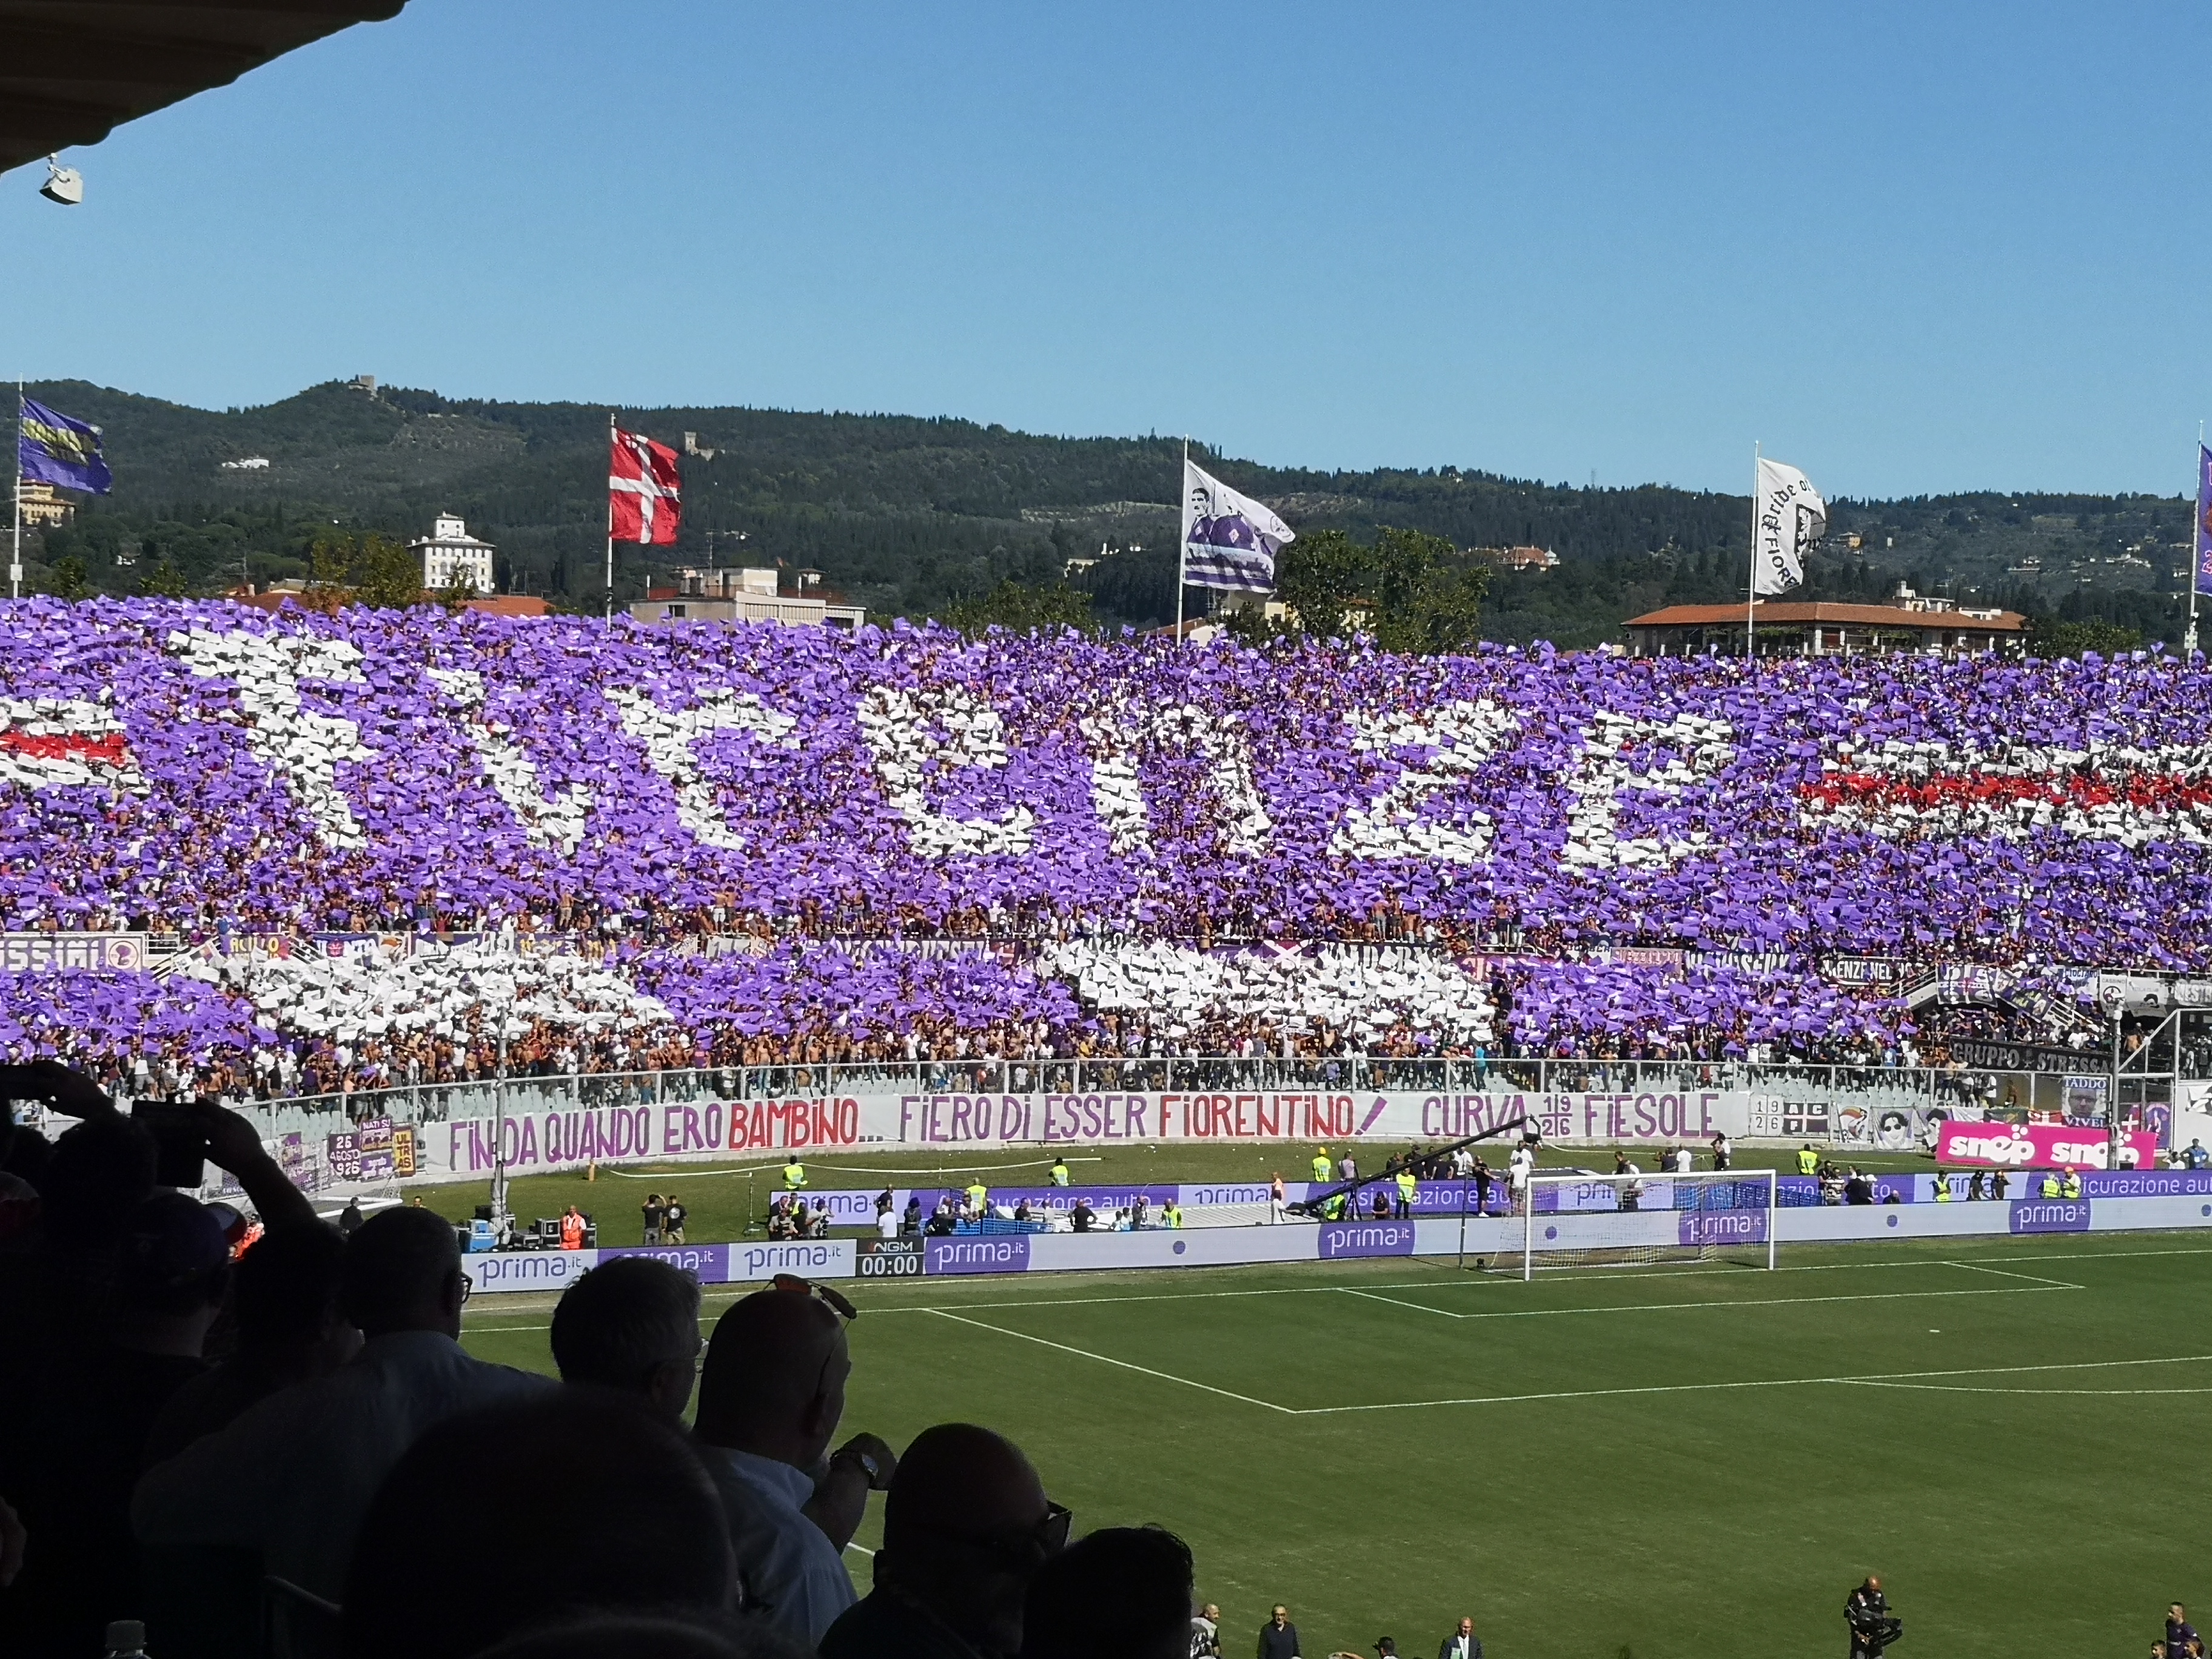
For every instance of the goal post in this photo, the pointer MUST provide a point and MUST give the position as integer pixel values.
(1584, 1220)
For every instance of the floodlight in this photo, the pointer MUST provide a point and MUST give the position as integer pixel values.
(63, 184)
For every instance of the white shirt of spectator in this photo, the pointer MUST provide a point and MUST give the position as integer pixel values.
(794, 1578)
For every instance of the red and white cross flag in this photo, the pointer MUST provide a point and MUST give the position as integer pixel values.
(644, 491)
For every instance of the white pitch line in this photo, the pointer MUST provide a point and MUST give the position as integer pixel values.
(717, 1293)
(1897, 1378)
(2031, 1279)
(1749, 1302)
(1400, 1302)
(2036, 1394)
(1108, 1359)
(861, 1549)
(1441, 1281)
(950, 1310)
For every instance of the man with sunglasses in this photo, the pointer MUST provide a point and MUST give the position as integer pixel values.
(771, 1396)
(966, 1526)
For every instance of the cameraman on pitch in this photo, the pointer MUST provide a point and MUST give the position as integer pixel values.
(1873, 1626)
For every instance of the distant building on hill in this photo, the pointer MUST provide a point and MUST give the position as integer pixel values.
(451, 557)
(1818, 628)
(43, 507)
(736, 596)
(1524, 558)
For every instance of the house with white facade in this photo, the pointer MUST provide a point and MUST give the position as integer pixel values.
(451, 557)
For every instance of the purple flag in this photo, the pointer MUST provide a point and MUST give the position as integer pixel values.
(2203, 520)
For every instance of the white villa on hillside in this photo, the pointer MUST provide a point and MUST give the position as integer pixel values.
(452, 557)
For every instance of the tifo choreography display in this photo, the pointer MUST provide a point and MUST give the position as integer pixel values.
(756, 845)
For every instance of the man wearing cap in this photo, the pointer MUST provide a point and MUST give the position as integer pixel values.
(1322, 1168)
(1463, 1643)
(292, 1478)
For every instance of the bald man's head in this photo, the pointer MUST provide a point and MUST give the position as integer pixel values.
(773, 1383)
(966, 1526)
(960, 1478)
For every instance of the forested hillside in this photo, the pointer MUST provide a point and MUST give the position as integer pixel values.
(908, 515)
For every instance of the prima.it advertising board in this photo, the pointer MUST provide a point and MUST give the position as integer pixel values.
(494, 1272)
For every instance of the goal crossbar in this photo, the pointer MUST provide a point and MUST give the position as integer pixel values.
(1583, 1219)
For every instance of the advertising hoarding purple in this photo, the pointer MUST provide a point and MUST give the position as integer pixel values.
(2050, 1215)
(495, 1272)
(1360, 1239)
(820, 1258)
(984, 1253)
(1058, 1199)
(1707, 1227)
(707, 1263)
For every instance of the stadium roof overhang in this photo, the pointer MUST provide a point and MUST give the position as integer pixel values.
(73, 71)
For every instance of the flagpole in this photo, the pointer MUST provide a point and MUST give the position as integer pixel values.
(1750, 583)
(2196, 545)
(1182, 506)
(15, 559)
(610, 524)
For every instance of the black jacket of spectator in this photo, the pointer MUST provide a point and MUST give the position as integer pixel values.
(1279, 1642)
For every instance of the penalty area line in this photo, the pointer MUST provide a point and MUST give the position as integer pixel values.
(1896, 1379)
(1750, 1302)
(1108, 1359)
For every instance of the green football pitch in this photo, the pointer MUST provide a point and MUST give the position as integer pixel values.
(1657, 1461)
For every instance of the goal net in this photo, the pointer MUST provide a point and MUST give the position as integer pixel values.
(1634, 1220)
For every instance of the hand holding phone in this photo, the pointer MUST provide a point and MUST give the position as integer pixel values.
(180, 1141)
(66, 1090)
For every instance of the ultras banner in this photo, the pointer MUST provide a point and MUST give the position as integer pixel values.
(703, 1129)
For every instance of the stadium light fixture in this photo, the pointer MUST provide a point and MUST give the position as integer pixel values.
(63, 184)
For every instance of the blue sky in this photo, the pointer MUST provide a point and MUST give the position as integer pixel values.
(1912, 248)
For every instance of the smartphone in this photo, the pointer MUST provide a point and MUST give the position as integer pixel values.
(181, 1145)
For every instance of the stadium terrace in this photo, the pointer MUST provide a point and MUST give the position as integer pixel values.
(711, 843)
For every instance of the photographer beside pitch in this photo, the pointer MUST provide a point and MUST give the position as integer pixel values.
(1873, 1627)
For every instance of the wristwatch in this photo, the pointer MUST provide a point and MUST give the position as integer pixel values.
(875, 1470)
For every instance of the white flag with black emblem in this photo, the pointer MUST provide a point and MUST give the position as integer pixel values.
(1790, 518)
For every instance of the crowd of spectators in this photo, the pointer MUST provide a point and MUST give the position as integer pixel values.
(634, 787)
(984, 1022)
(279, 1449)
(776, 847)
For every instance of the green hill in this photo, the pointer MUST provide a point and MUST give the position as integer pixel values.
(906, 513)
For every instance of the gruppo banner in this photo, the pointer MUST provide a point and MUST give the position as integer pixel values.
(568, 1138)
(2039, 1145)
